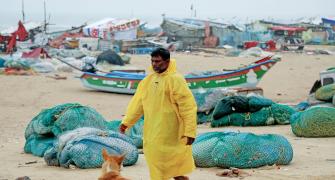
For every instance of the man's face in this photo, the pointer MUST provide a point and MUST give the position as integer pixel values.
(158, 64)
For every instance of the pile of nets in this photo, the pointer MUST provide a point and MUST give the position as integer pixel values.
(50, 123)
(75, 134)
(313, 101)
(323, 96)
(82, 147)
(314, 122)
(37, 145)
(249, 111)
(241, 150)
(229, 105)
(17, 64)
(135, 132)
(206, 100)
(325, 93)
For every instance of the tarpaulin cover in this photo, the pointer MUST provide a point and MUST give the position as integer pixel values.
(110, 57)
(36, 53)
(286, 28)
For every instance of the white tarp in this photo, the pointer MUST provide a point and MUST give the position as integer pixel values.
(110, 28)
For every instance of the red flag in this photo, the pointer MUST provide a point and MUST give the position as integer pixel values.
(22, 32)
(12, 43)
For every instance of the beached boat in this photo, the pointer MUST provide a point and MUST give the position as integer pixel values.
(126, 83)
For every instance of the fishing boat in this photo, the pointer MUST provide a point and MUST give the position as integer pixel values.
(126, 82)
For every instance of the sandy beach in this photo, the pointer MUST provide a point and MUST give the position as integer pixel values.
(289, 81)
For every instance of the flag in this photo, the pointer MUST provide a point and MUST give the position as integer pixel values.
(22, 32)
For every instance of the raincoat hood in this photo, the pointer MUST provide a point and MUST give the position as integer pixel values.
(172, 68)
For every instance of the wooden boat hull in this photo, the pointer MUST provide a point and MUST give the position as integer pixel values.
(126, 83)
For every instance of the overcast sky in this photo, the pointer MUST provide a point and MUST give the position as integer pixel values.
(75, 12)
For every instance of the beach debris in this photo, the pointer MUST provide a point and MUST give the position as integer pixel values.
(23, 178)
(268, 167)
(71, 166)
(255, 52)
(12, 71)
(233, 172)
(31, 162)
(57, 77)
(43, 67)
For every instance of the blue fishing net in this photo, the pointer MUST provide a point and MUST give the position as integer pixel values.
(113, 125)
(62, 118)
(44, 128)
(82, 147)
(204, 117)
(274, 114)
(17, 64)
(37, 145)
(314, 122)
(232, 104)
(241, 150)
(135, 133)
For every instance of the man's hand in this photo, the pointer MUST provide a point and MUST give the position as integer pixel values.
(122, 128)
(190, 141)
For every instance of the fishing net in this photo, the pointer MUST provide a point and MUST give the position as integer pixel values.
(2, 62)
(82, 147)
(44, 128)
(233, 104)
(241, 150)
(314, 122)
(113, 125)
(17, 64)
(37, 145)
(206, 99)
(325, 93)
(135, 133)
(62, 118)
(204, 117)
(274, 114)
(302, 106)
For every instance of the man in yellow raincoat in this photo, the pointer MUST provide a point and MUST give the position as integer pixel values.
(169, 110)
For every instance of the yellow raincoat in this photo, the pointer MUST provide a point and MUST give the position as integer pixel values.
(169, 111)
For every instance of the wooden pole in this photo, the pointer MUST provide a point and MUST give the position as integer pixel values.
(23, 15)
